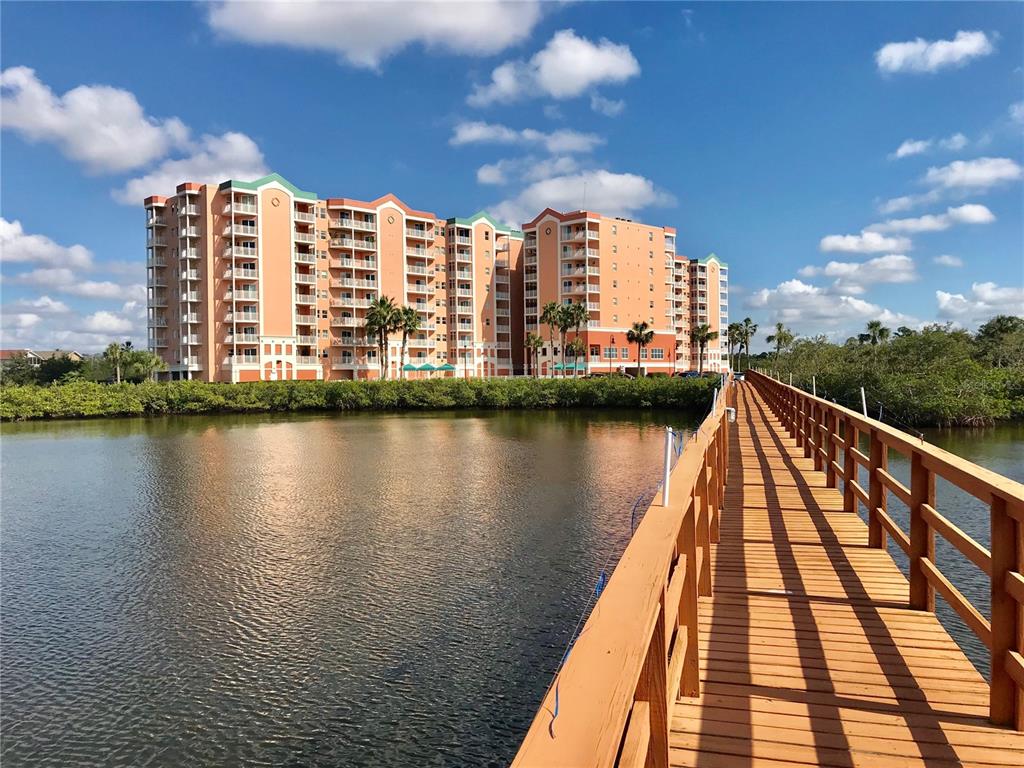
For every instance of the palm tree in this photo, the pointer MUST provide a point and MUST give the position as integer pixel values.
(565, 323)
(701, 336)
(532, 344)
(749, 330)
(578, 315)
(782, 338)
(578, 347)
(408, 322)
(117, 355)
(549, 316)
(381, 321)
(641, 335)
(734, 338)
(876, 333)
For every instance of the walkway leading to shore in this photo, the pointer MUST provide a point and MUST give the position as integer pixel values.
(808, 651)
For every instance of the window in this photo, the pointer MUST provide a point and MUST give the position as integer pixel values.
(595, 350)
(625, 353)
(650, 236)
(657, 353)
(611, 353)
(615, 318)
(487, 235)
(615, 266)
(643, 353)
(651, 287)
(615, 249)
(650, 271)
(615, 229)
(615, 283)
(615, 301)
(650, 305)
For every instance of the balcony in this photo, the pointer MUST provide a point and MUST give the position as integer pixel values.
(354, 282)
(241, 273)
(158, 301)
(305, 298)
(501, 247)
(416, 270)
(305, 279)
(188, 253)
(462, 240)
(307, 360)
(155, 242)
(348, 242)
(242, 338)
(530, 294)
(302, 216)
(236, 207)
(346, 222)
(188, 232)
(593, 306)
(418, 252)
(347, 322)
(501, 295)
(188, 210)
(242, 295)
(156, 261)
(239, 250)
(192, 363)
(304, 237)
(190, 296)
(417, 288)
(189, 274)
(157, 322)
(500, 278)
(158, 342)
(349, 301)
(241, 360)
(305, 319)
(463, 291)
(501, 312)
(190, 318)
(305, 258)
(463, 274)
(156, 221)
(190, 339)
(346, 262)
(530, 259)
(421, 234)
(309, 341)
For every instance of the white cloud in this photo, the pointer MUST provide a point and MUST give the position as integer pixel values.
(17, 246)
(953, 143)
(613, 194)
(527, 169)
(549, 167)
(921, 55)
(972, 213)
(865, 242)
(102, 127)
(43, 304)
(67, 281)
(364, 34)
(810, 309)
(214, 159)
(553, 112)
(1017, 112)
(106, 322)
(563, 140)
(984, 301)
(911, 147)
(980, 174)
(566, 67)
(493, 173)
(853, 277)
(945, 260)
(607, 107)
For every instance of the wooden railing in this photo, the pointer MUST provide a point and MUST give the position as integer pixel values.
(638, 649)
(827, 431)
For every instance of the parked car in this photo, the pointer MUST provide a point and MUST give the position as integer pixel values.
(686, 374)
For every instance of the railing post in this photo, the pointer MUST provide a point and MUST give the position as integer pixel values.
(832, 431)
(922, 540)
(849, 465)
(806, 410)
(653, 688)
(797, 413)
(1006, 699)
(878, 459)
(703, 531)
(689, 681)
(819, 418)
(715, 502)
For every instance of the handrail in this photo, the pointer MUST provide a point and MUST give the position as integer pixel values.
(815, 422)
(638, 649)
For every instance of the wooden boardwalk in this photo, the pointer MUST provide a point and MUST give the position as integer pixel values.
(809, 653)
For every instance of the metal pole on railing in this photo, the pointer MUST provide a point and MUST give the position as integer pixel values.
(814, 386)
(791, 379)
(864, 402)
(668, 466)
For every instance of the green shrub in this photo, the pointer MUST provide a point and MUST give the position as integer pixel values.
(80, 399)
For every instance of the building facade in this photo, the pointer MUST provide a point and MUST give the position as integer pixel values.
(260, 280)
(623, 272)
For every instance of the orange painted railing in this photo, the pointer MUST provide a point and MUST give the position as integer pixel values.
(638, 649)
(828, 432)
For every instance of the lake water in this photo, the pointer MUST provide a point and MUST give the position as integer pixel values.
(359, 590)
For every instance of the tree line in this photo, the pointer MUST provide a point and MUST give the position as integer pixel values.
(936, 375)
(117, 363)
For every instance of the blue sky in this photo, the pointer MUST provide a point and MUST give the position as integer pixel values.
(850, 161)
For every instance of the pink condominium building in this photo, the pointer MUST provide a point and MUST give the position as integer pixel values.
(260, 280)
(624, 272)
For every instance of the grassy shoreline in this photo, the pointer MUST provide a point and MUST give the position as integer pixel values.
(82, 400)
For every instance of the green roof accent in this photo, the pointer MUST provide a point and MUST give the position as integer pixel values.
(504, 228)
(709, 257)
(255, 185)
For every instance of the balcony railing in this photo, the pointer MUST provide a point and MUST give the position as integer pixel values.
(242, 317)
(240, 208)
(305, 298)
(241, 273)
(302, 216)
(349, 223)
(344, 261)
(353, 282)
(462, 240)
(239, 250)
(348, 242)
(419, 252)
(189, 274)
(190, 317)
(305, 258)
(308, 341)
(155, 242)
(307, 360)
(304, 237)
(347, 322)
(157, 322)
(419, 233)
(188, 232)
(305, 279)
(413, 270)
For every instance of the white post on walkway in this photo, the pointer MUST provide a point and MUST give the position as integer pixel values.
(814, 386)
(864, 402)
(668, 466)
(791, 379)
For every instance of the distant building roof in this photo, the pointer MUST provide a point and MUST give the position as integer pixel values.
(39, 354)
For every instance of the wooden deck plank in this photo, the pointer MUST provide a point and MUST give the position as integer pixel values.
(809, 654)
